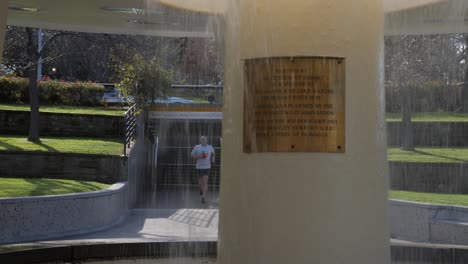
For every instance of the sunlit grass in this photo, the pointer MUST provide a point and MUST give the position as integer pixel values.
(430, 117)
(196, 100)
(13, 187)
(110, 111)
(424, 154)
(109, 146)
(432, 198)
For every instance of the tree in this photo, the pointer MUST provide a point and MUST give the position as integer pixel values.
(27, 63)
(33, 56)
(463, 59)
(101, 58)
(144, 79)
(92, 57)
(199, 60)
(411, 62)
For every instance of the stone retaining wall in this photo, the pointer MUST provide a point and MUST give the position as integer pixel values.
(428, 254)
(436, 134)
(202, 251)
(98, 168)
(64, 125)
(429, 177)
(46, 217)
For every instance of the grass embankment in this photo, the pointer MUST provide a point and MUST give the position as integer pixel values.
(12, 187)
(432, 198)
(109, 146)
(110, 111)
(430, 117)
(448, 155)
(423, 154)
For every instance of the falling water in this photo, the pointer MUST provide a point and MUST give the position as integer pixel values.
(426, 92)
(426, 71)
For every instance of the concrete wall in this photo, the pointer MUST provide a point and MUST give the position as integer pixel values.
(52, 124)
(99, 168)
(419, 222)
(283, 207)
(429, 177)
(454, 134)
(45, 217)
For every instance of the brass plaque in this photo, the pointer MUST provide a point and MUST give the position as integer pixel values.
(294, 104)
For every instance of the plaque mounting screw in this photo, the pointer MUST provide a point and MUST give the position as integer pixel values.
(338, 147)
(292, 146)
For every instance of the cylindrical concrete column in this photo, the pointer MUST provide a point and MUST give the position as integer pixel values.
(3, 20)
(306, 207)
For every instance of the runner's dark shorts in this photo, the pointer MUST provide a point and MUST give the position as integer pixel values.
(202, 172)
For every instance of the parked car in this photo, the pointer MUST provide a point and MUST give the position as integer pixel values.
(116, 97)
(173, 100)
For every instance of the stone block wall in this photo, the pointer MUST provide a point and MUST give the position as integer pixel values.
(64, 125)
(429, 177)
(99, 168)
(433, 134)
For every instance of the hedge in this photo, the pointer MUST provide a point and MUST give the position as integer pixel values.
(52, 92)
(12, 89)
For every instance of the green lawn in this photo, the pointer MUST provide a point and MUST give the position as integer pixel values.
(63, 144)
(430, 117)
(424, 154)
(12, 187)
(433, 198)
(196, 100)
(111, 111)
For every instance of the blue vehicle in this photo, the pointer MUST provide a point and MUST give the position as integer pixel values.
(173, 100)
(115, 96)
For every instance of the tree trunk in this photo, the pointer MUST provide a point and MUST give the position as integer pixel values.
(465, 82)
(34, 106)
(33, 91)
(406, 128)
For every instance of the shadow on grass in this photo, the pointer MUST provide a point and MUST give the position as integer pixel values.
(9, 146)
(49, 148)
(439, 156)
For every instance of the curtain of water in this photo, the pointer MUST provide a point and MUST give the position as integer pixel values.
(426, 105)
(426, 90)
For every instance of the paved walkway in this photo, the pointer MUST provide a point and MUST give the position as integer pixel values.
(168, 216)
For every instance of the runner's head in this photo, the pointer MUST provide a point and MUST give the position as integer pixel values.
(203, 140)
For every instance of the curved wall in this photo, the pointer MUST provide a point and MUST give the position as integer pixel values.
(44, 217)
(428, 223)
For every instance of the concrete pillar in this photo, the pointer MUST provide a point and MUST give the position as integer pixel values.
(306, 207)
(3, 20)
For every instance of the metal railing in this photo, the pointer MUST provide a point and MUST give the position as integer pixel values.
(176, 167)
(130, 122)
(156, 148)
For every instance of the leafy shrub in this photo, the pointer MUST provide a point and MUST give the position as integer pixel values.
(70, 93)
(144, 79)
(52, 92)
(12, 89)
